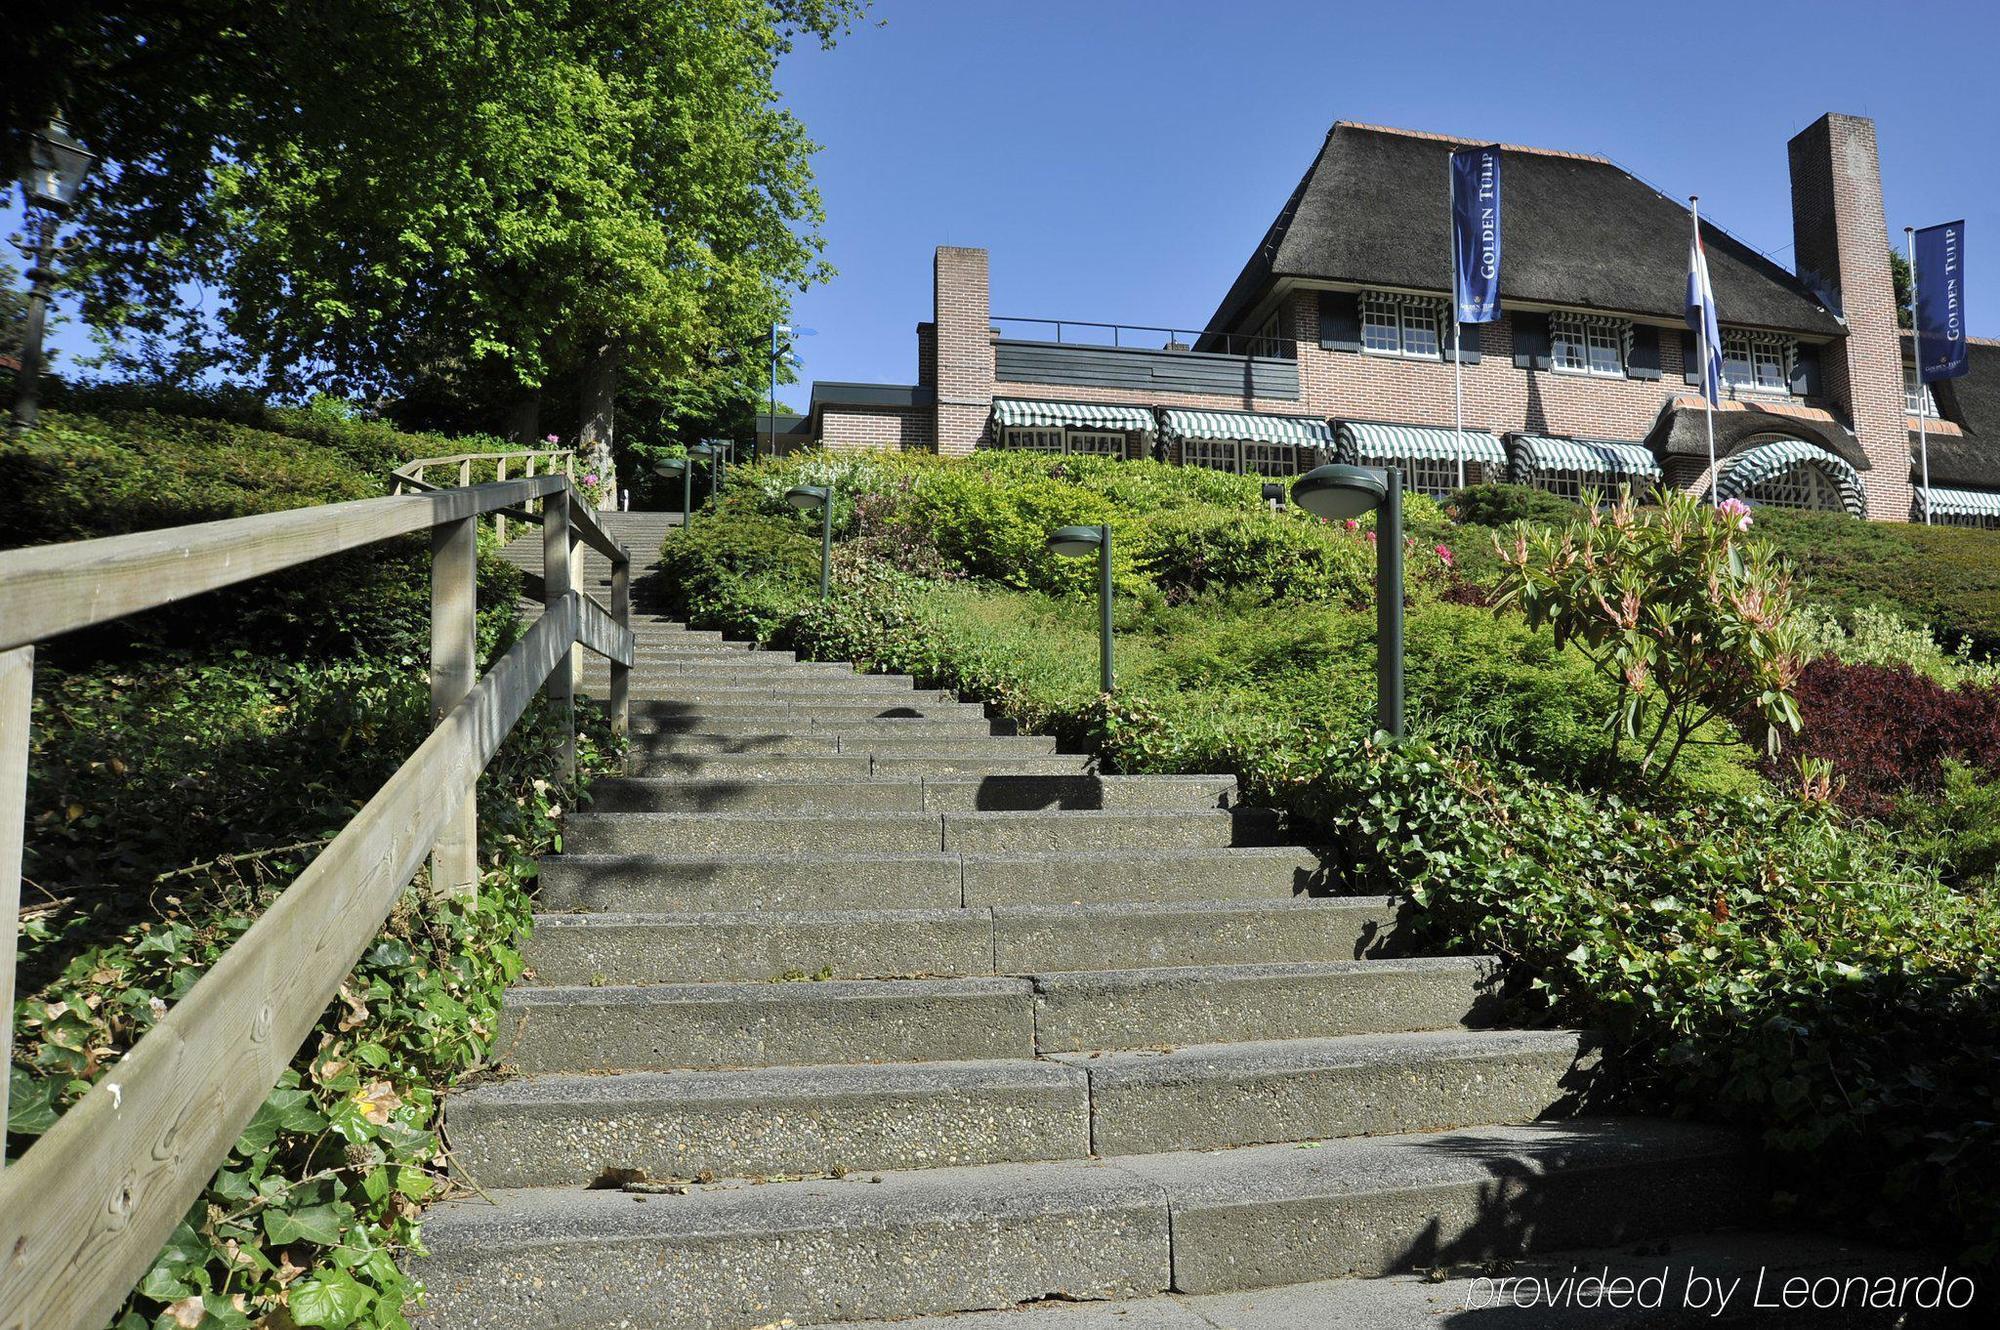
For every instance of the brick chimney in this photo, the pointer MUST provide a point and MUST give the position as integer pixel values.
(963, 349)
(1840, 238)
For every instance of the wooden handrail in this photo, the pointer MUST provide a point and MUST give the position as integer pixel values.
(84, 1213)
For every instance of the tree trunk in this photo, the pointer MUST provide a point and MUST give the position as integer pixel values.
(524, 417)
(595, 429)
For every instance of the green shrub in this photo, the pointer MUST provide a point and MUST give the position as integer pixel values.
(1957, 827)
(1189, 552)
(1502, 505)
(1946, 577)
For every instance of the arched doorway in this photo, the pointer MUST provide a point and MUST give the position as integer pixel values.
(1785, 472)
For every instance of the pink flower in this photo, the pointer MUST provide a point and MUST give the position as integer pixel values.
(1444, 554)
(1351, 524)
(1371, 537)
(1736, 513)
(590, 479)
(550, 439)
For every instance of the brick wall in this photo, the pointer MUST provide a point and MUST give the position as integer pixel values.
(963, 335)
(848, 428)
(1841, 240)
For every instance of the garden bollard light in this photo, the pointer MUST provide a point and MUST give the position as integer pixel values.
(1079, 542)
(805, 498)
(1339, 491)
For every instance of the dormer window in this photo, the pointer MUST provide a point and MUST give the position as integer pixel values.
(1588, 344)
(1757, 362)
(1401, 325)
(1918, 399)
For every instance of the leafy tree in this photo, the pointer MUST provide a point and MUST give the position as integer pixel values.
(365, 196)
(1904, 284)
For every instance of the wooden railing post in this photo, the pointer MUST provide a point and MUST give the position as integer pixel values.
(465, 474)
(557, 576)
(17, 692)
(454, 665)
(577, 556)
(621, 675)
(500, 519)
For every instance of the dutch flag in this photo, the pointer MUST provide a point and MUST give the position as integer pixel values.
(1701, 318)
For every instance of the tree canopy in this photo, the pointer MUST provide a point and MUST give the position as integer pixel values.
(364, 196)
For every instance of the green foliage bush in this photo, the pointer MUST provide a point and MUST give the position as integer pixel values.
(1943, 576)
(186, 765)
(1273, 558)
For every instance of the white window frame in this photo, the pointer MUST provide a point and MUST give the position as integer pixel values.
(1918, 398)
(1274, 461)
(1745, 357)
(1033, 438)
(1591, 347)
(1215, 454)
(1800, 485)
(1095, 442)
(1390, 326)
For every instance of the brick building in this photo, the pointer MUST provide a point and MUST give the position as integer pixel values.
(1335, 343)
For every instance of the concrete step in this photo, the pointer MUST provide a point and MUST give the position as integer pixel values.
(1209, 1096)
(1169, 1007)
(916, 833)
(831, 881)
(842, 766)
(935, 794)
(701, 947)
(650, 714)
(556, 1131)
(673, 1027)
(800, 718)
(734, 1256)
(831, 739)
(847, 688)
(546, 1131)
(1475, 1294)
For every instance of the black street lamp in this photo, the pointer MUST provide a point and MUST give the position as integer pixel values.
(1079, 542)
(717, 451)
(57, 164)
(805, 498)
(682, 467)
(1339, 491)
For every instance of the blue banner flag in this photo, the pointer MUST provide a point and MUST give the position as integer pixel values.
(1475, 233)
(1940, 261)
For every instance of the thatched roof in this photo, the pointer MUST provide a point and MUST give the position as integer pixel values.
(1374, 209)
(1970, 460)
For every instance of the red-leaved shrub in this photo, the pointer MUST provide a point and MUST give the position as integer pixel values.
(1888, 730)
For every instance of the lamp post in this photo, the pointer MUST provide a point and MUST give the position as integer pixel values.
(782, 351)
(57, 164)
(682, 467)
(1339, 491)
(717, 451)
(805, 498)
(1077, 542)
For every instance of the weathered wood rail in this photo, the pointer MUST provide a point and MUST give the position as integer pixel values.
(465, 466)
(84, 1213)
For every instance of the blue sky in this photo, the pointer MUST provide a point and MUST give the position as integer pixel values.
(1120, 159)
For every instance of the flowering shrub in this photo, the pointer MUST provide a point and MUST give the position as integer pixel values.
(1688, 617)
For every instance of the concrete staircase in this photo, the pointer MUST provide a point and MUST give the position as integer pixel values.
(848, 1004)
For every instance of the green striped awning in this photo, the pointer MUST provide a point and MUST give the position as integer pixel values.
(1960, 503)
(1246, 425)
(1363, 441)
(1759, 463)
(1591, 457)
(1019, 413)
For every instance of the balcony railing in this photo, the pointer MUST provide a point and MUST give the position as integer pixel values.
(1144, 337)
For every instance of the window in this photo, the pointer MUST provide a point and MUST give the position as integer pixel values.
(1033, 440)
(1098, 443)
(1270, 459)
(1041, 439)
(1581, 344)
(1757, 362)
(1401, 325)
(1801, 485)
(1918, 399)
(1270, 340)
(1215, 454)
(1571, 485)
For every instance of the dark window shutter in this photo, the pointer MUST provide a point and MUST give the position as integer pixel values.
(1643, 362)
(1468, 343)
(1531, 341)
(1339, 321)
(1805, 372)
(1690, 359)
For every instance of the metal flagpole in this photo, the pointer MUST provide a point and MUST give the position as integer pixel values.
(1917, 367)
(1457, 353)
(1703, 349)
